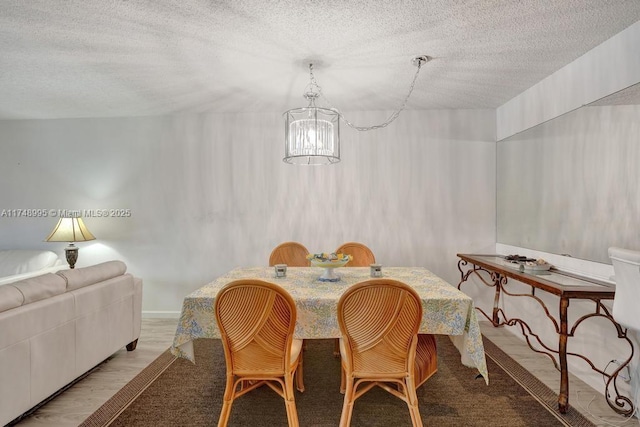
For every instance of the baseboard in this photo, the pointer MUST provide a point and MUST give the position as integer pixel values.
(160, 314)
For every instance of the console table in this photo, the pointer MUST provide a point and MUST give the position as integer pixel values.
(494, 272)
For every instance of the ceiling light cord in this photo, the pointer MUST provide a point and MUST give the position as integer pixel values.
(418, 61)
(312, 134)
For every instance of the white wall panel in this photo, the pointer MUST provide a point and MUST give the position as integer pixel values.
(610, 67)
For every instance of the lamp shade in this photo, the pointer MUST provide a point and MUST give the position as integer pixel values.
(70, 230)
(312, 136)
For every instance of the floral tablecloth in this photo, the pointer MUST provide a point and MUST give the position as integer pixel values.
(446, 310)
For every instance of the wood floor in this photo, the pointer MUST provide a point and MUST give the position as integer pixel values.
(72, 406)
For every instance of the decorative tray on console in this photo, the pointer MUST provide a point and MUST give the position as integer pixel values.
(524, 263)
(329, 261)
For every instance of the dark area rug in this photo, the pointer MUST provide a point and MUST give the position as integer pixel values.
(175, 392)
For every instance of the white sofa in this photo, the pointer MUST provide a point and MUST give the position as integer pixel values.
(18, 264)
(56, 327)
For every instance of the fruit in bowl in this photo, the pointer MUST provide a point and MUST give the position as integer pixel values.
(329, 260)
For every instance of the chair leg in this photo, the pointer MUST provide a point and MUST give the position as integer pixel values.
(336, 347)
(412, 403)
(227, 401)
(347, 405)
(290, 402)
(343, 379)
(299, 375)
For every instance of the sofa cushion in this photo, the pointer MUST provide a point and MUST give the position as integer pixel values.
(79, 277)
(10, 297)
(19, 261)
(40, 287)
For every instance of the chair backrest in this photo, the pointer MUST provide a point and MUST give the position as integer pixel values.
(626, 267)
(362, 255)
(379, 321)
(293, 254)
(256, 321)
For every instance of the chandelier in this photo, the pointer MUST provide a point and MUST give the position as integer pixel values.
(312, 133)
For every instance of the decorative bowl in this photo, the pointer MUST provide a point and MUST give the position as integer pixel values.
(527, 264)
(540, 265)
(329, 262)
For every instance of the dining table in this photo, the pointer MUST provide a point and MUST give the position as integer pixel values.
(446, 309)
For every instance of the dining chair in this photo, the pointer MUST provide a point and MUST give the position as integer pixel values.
(380, 346)
(626, 268)
(293, 254)
(256, 321)
(362, 255)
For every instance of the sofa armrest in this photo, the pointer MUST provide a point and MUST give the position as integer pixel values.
(21, 261)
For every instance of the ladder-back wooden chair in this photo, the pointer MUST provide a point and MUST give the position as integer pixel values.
(379, 321)
(362, 255)
(256, 321)
(293, 254)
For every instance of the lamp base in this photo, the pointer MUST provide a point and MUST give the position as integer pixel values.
(71, 253)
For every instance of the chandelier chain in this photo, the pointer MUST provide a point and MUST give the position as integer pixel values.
(387, 122)
(313, 85)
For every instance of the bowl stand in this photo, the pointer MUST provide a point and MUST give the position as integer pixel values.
(328, 275)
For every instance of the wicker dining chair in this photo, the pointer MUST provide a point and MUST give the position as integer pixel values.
(256, 321)
(379, 321)
(293, 254)
(362, 255)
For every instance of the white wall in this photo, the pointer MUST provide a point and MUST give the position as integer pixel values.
(610, 67)
(208, 193)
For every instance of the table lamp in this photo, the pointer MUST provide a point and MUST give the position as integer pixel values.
(70, 230)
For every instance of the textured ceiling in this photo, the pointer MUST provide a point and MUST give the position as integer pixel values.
(109, 58)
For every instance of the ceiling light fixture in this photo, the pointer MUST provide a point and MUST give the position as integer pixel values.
(312, 134)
